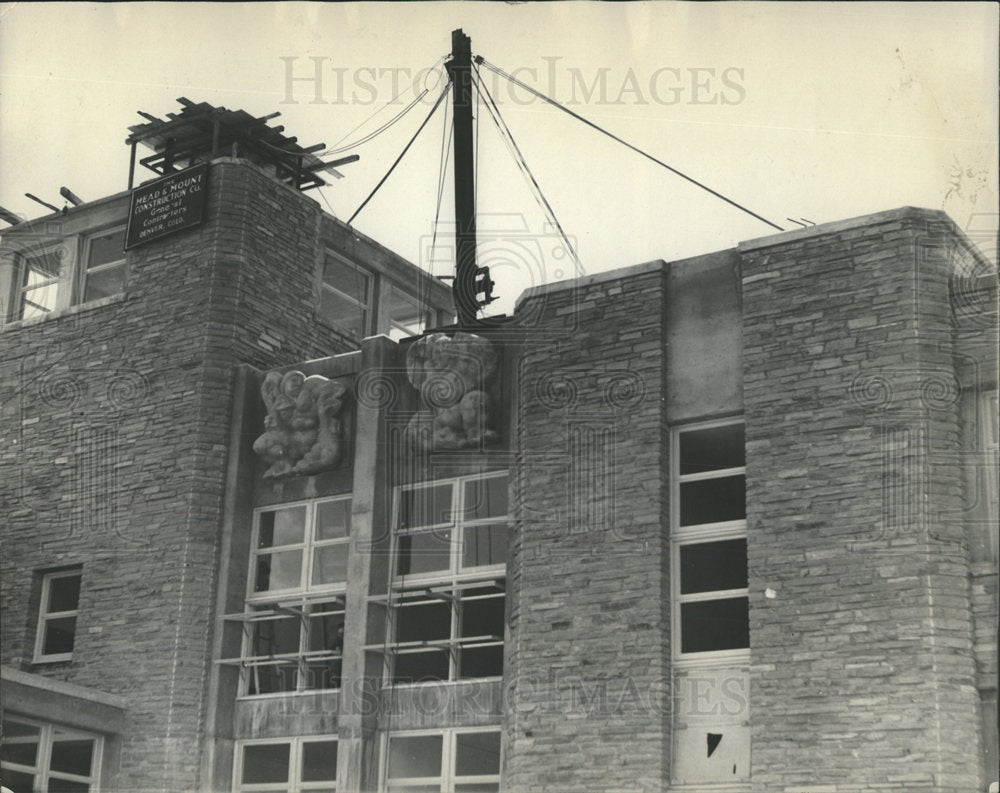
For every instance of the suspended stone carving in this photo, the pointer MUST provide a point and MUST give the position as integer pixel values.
(451, 373)
(302, 432)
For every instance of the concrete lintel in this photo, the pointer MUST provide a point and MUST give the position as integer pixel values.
(62, 703)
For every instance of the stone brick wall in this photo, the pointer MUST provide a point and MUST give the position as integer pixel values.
(588, 657)
(116, 421)
(862, 672)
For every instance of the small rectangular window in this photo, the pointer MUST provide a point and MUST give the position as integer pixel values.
(463, 761)
(292, 765)
(712, 566)
(712, 449)
(104, 274)
(345, 295)
(57, 616)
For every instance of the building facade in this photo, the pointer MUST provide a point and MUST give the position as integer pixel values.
(274, 524)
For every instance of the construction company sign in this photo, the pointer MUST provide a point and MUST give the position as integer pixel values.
(173, 203)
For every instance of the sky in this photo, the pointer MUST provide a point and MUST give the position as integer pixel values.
(809, 111)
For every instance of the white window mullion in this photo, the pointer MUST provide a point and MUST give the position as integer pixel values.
(309, 537)
(44, 756)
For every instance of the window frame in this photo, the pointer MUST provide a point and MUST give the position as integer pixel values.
(64, 283)
(367, 309)
(456, 569)
(292, 602)
(84, 269)
(295, 755)
(308, 546)
(448, 779)
(696, 534)
(43, 760)
(44, 615)
(446, 585)
(71, 283)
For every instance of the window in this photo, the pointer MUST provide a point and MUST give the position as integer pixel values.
(301, 547)
(710, 546)
(293, 647)
(286, 766)
(345, 295)
(293, 626)
(48, 278)
(44, 282)
(57, 615)
(449, 633)
(447, 601)
(45, 757)
(104, 274)
(452, 526)
(407, 317)
(452, 761)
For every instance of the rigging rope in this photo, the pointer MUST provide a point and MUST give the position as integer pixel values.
(380, 130)
(338, 148)
(401, 155)
(480, 60)
(539, 196)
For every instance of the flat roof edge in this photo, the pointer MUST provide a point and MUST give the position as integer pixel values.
(653, 266)
(837, 226)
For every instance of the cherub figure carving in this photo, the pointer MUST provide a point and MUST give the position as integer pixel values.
(302, 434)
(451, 373)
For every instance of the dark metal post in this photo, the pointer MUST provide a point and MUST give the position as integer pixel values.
(131, 166)
(464, 288)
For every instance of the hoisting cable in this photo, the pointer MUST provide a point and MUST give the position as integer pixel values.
(478, 59)
(539, 196)
(402, 154)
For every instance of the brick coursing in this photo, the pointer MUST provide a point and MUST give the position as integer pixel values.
(116, 422)
(587, 700)
(862, 669)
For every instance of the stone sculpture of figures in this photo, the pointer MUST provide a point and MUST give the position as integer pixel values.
(302, 433)
(451, 373)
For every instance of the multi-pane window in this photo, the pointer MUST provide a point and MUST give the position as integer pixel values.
(449, 633)
(294, 620)
(57, 613)
(286, 766)
(35, 756)
(295, 646)
(450, 761)
(710, 545)
(104, 273)
(50, 276)
(345, 295)
(447, 601)
(301, 547)
(452, 526)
